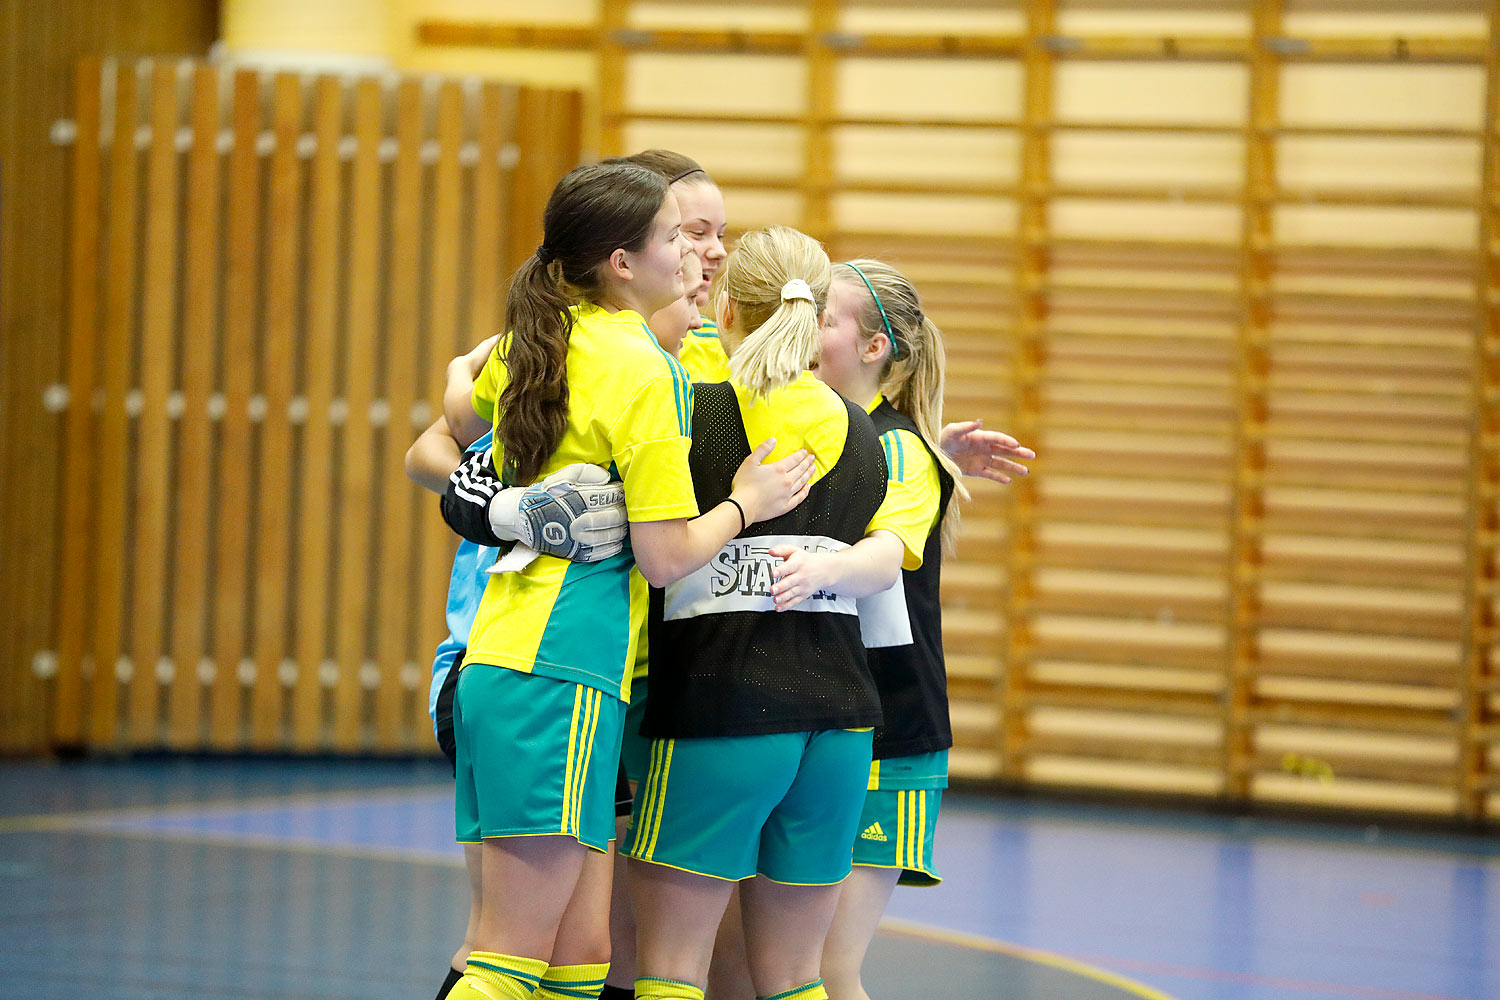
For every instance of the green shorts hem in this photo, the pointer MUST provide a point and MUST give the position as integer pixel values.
(690, 871)
(811, 885)
(541, 833)
(916, 877)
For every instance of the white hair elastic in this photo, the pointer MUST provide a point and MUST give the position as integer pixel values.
(797, 289)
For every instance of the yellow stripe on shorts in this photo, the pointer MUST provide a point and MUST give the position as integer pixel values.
(901, 827)
(656, 794)
(593, 702)
(640, 821)
(918, 828)
(568, 769)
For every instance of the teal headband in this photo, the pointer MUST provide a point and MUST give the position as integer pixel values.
(895, 344)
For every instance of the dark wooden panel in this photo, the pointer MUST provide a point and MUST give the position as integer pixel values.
(78, 469)
(107, 621)
(200, 323)
(273, 563)
(40, 45)
(242, 284)
(398, 494)
(352, 588)
(153, 481)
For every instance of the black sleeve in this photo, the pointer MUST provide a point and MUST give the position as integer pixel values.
(466, 502)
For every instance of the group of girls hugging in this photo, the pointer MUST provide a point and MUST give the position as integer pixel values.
(734, 461)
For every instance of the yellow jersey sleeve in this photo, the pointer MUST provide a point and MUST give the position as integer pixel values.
(487, 388)
(912, 490)
(703, 356)
(649, 443)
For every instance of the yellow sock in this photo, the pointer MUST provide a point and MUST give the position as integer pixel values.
(572, 982)
(651, 988)
(492, 976)
(811, 991)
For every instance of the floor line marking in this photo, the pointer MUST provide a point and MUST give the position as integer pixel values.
(34, 822)
(962, 939)
(265, 842)
(1275, 982)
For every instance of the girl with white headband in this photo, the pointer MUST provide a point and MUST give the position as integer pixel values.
(762, 701)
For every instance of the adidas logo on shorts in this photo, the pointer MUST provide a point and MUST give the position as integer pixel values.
(873, 832)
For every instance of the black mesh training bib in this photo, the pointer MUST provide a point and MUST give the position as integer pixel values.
(913, 679)
(723, 665)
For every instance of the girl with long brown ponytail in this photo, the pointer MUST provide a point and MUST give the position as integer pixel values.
(577, 378)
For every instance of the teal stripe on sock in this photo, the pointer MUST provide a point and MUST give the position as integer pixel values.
(789, 994)
(525, 977)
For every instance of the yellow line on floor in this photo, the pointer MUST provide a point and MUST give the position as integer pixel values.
(927, 932)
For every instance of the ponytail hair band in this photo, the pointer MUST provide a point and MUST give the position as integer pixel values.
(687, 173)
(544, 255)
(797, 289)
(889, 332)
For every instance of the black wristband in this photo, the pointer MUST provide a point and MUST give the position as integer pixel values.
(743, 523)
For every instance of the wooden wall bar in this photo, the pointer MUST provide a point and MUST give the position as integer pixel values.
(252, 583)
(1235, 311)
(1256, 561)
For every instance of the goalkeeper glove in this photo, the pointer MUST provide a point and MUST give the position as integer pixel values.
(577, 513)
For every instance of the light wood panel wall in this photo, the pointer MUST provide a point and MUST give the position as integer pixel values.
(268, 274)
(1230, 267)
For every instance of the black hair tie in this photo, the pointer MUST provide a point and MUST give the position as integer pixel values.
(544, 255)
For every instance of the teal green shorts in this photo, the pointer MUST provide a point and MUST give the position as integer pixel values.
(635, 751)
(783, 805)
(918, 770)
(535, 756)
(895, 831)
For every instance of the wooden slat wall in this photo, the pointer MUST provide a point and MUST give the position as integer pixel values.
(49, 328)
(1257, 557)
(253, 584)
(1478, 758)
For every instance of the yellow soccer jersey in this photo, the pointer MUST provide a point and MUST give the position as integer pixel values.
(703, 355)
(912, 490)
(630, 409)
(808, 414)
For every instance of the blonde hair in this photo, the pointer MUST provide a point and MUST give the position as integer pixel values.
(913, 377)
(780, 335)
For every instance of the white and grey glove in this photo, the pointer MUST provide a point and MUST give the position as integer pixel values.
(482, 510)
(577, 513)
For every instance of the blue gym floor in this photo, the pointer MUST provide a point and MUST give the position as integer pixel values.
(168, 878)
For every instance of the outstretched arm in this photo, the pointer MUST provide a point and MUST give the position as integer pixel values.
(987, 454)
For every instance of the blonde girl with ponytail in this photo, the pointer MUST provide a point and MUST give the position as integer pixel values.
(762, 702)
(881, 351)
